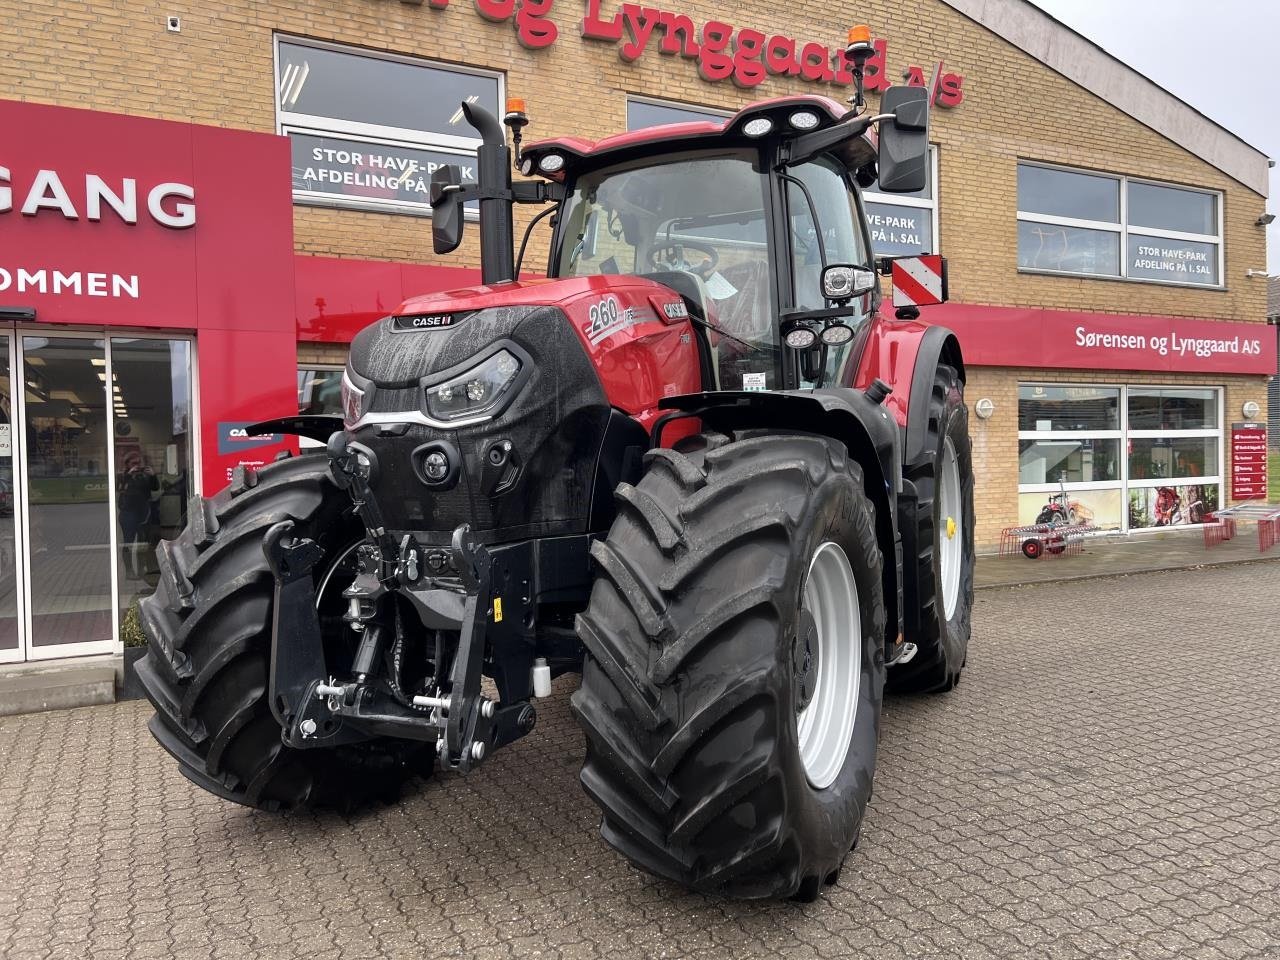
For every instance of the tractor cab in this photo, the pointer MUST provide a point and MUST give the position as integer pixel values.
(743, 218)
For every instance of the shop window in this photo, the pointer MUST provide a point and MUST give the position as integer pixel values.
(319, 394)
(904, 224)
(320, 391)
(1183, 409)
(1119, 457)
(1095, 224)
(643, 113)
(367, 129)
(1082, 460)
(1042, 407)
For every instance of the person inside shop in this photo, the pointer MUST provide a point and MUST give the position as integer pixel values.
(133, 494)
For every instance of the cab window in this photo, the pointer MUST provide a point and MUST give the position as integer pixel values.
(838, 232)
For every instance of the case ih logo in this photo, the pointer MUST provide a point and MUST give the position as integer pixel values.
(427, 321)
(722, 52)
(234, 436)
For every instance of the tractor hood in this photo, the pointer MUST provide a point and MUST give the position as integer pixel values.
(538, 292)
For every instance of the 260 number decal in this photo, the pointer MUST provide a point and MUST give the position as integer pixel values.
(606, 318)
(603, 315)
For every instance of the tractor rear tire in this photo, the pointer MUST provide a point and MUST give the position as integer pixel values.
(941, 635)
(207, 665)
(705, 636)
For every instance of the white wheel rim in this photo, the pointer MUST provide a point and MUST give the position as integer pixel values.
(951, 528)
(825, 725)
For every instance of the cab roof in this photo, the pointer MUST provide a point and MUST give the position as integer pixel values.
(687, 135)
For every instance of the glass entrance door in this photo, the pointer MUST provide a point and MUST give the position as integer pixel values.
(98, 469)
(68, 494)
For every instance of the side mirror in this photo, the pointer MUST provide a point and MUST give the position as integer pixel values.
(904, 140)
(842, 282)
(446, 208)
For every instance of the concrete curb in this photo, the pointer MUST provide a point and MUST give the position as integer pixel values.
(57, 684)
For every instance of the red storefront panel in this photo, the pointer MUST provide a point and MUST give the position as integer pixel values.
(118, 221)
(335, 299)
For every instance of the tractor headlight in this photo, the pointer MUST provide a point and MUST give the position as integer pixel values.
(477, 392)
(352, 401)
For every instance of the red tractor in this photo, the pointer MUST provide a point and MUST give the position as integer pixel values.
(694, 463)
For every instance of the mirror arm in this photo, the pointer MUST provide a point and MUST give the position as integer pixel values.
(799, 149)
(537, 191)
(846, 309)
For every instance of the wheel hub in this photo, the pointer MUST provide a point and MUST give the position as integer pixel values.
(805, 660)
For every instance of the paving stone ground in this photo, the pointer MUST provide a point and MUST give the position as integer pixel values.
(1105, 783)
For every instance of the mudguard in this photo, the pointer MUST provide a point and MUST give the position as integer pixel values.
(870, 434)
(905, 354)
(312, 426)
(938, 345)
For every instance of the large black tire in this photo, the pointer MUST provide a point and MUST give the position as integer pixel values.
(688, 694)
(208, 629)
(942, 641)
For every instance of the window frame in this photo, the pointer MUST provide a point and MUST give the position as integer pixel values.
(351, 131)
(1123, 229)
(899, 200)
(1124, 434)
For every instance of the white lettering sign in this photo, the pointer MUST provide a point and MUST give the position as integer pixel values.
(48, 192)
(44, 280)
(1202, 347)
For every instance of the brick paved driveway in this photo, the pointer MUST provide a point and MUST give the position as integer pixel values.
(1105, 783)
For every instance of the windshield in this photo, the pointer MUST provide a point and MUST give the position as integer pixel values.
(698, 224)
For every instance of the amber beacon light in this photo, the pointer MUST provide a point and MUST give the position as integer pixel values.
(858, 52)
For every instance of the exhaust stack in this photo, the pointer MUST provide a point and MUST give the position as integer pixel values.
(493, 170)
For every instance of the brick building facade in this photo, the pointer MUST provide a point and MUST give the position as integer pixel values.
(1069, 189)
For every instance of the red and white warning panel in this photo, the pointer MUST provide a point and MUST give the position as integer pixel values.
(919, 281)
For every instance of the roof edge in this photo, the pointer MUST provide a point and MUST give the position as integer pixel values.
(1082, 61)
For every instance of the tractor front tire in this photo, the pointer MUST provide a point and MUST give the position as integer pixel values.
(738, 608)
(207, 665)
(938, 591)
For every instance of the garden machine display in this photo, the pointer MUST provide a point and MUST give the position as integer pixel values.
(694, 464)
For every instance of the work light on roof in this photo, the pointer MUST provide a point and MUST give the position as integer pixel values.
(551, 163)
(526, 166)
(803, 120)
(758, 127)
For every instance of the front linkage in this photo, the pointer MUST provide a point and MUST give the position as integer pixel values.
(314, 709)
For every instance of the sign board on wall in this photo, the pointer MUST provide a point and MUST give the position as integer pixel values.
(390, 175)
(1249, 461)
(994, 336)
(900, 231)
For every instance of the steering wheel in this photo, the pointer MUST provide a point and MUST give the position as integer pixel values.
(677, 261)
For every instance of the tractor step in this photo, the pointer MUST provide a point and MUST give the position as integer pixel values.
(906, 653)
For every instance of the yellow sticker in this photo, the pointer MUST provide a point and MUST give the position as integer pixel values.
(497, 609)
